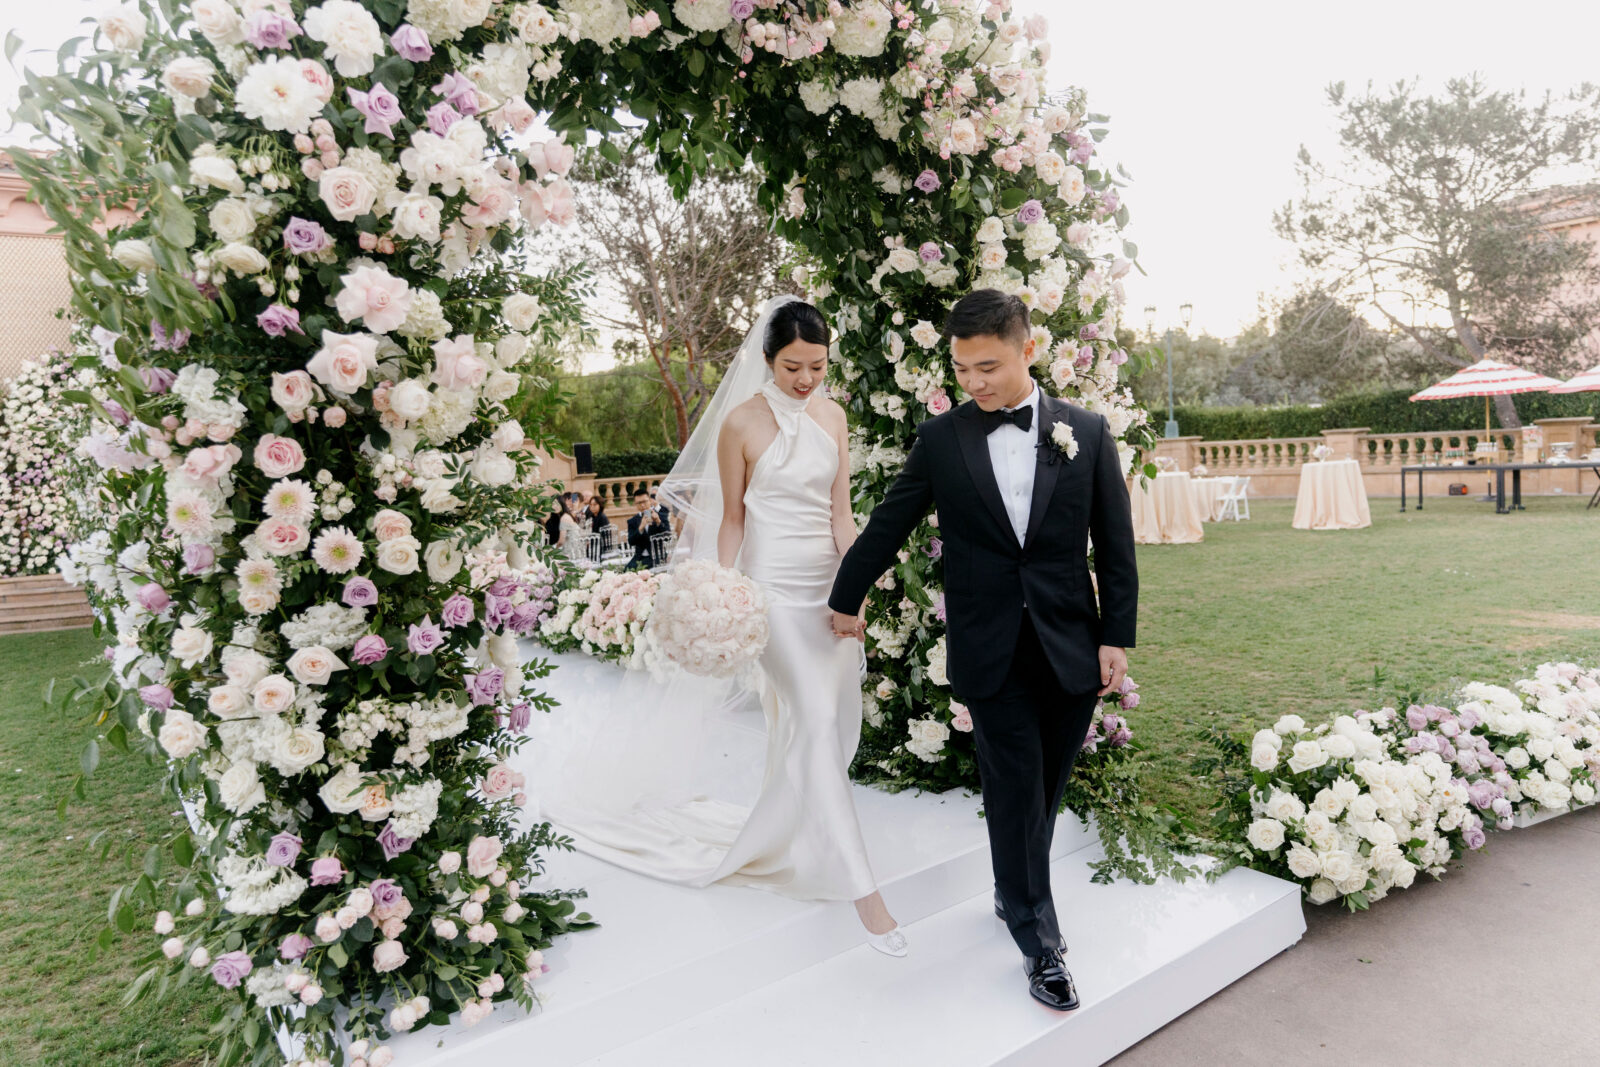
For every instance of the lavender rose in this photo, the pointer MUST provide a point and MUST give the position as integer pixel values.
(424, 637)
(326, 870)
(385, 893)
(295, 947)
(359, 593)
(268, 29)
(156, 696)
(411, 43)
(392, 843)
(198, 558)
(279, 320)
(369, 650)
(457, 611)
(517, 719)
(441, 117)
(1030, 212)
(230, 968)
(284, 849)
(157, 380)
(379, 106)
(303, 237)
(927, 181)
(484, 687)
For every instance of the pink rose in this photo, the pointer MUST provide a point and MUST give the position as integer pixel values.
(939, 403)
(280, 537)
(456, 364)
(293, 391)
(333, 417)
(558, 202)
(483, 854)
(390, 525)
(320, 80)
(279, 457)
(346, 192)
(501, 782)
(961, 717)
(344, 360)
(211, 462)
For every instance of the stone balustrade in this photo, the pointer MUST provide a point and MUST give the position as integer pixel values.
(1273, 463)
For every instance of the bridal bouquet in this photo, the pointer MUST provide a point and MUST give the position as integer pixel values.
(710, 620)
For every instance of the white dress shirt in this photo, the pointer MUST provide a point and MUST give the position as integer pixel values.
(1013, 455)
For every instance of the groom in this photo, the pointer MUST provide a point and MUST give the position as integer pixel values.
(1030, 651)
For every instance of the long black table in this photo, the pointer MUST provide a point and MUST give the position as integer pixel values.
(1499, 470)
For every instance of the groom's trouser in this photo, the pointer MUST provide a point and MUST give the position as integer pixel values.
(1028, 733)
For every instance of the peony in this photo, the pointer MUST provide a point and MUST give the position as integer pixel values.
(275, 93)
(417, 217)
(349, 35)
(375, 297)
(181, 735)
(344, 360)
(217, 172)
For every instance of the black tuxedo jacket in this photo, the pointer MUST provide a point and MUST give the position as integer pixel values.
(641, 527)
(988, 576)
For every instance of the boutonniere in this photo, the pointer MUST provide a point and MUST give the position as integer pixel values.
(1061, 444)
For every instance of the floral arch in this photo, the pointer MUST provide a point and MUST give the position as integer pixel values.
(318, 558)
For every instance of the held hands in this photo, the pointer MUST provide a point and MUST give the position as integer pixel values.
(849, 625)
(1113, 668)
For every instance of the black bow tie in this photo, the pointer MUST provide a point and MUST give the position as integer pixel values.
(1021, 418)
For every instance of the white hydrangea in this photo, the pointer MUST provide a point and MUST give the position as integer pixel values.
(333, 626)
(255, 887)
(863, 96)
(702, 15)
(818, 96)
(445, 20)
(601, 21)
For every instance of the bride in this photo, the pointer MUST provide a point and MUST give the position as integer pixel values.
(764, 486)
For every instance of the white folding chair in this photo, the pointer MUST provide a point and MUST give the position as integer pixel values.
(584, 549)
(661, 548)
(1236, 501)
(612, 546)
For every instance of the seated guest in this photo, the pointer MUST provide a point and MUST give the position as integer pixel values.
(569, 526)
(595, 514)
(646, 522)
(552, 525)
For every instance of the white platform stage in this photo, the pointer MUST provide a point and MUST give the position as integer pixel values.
(737, 976)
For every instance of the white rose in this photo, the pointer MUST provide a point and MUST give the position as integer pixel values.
(508, 435)
(134, 254)
(227, 702)
(190, 645)
(510, 349)
(1337, 865)
(1363, 808)
(296, 750)
(1321, 891)
(1338, 746)
(1285, 806)
(1263, 757)
(349, 35)
(1307, 755)
(1265, 835)
(1328, 803)
(218, 21)
(188, 76)
(1289, 724)
(240, 788)
(493, 467)
(1303, 862)
(273, 694)
(409, 399)
(1516, 758)
(124, 28)
(232, 219)
(341, 794)
(181, 734)
(443, 560)
(239, 258)
(215, 172)
(399, 555)
(314, 665)
(521, 311)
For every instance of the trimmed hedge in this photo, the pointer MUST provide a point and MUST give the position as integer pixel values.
(633, 464)
(1388, 412)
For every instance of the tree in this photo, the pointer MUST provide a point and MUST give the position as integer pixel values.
(1426, 222)
(681, 281)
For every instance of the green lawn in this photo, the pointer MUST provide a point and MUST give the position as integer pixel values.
(1260, 619)
(59, 1006)
(1257, 621)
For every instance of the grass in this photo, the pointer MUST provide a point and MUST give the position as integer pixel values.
(61, 1007)
(1260, 620)
(1257, 621)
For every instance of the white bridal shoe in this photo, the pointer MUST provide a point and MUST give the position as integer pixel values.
(892, 943)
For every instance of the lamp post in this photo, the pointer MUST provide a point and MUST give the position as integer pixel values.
(1187, 311)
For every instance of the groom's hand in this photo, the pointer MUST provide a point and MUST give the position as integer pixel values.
(848, 625)
(1113, 668)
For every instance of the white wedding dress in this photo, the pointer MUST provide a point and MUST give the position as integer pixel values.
(802, 837)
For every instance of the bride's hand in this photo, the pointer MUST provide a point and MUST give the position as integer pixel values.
(846, 625)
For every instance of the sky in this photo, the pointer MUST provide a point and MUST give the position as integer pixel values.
(1209, 103)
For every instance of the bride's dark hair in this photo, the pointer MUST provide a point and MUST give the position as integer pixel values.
(794, 321)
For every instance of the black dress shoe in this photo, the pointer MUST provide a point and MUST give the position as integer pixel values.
(1050, 982)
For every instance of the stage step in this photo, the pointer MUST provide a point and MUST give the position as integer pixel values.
(670, 965)
(41, 602)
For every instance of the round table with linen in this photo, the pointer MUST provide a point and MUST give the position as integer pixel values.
(1208, 494)
(1165, 510)
(1332, 497)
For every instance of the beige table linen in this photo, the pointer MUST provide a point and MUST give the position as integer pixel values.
(1332, 497)
(1208, 494)
(1165, 511)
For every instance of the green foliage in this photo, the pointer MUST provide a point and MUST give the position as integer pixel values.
(637, 462)
(1388, 412)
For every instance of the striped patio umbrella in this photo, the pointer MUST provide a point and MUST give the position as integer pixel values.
(1486, 378)
(1586, 382)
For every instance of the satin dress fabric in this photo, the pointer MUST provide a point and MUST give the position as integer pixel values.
(802, 837)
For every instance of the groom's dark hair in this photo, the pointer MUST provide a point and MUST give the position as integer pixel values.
(988, 313)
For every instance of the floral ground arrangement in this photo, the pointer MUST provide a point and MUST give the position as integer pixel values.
(1358, 807)
(314, 558)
